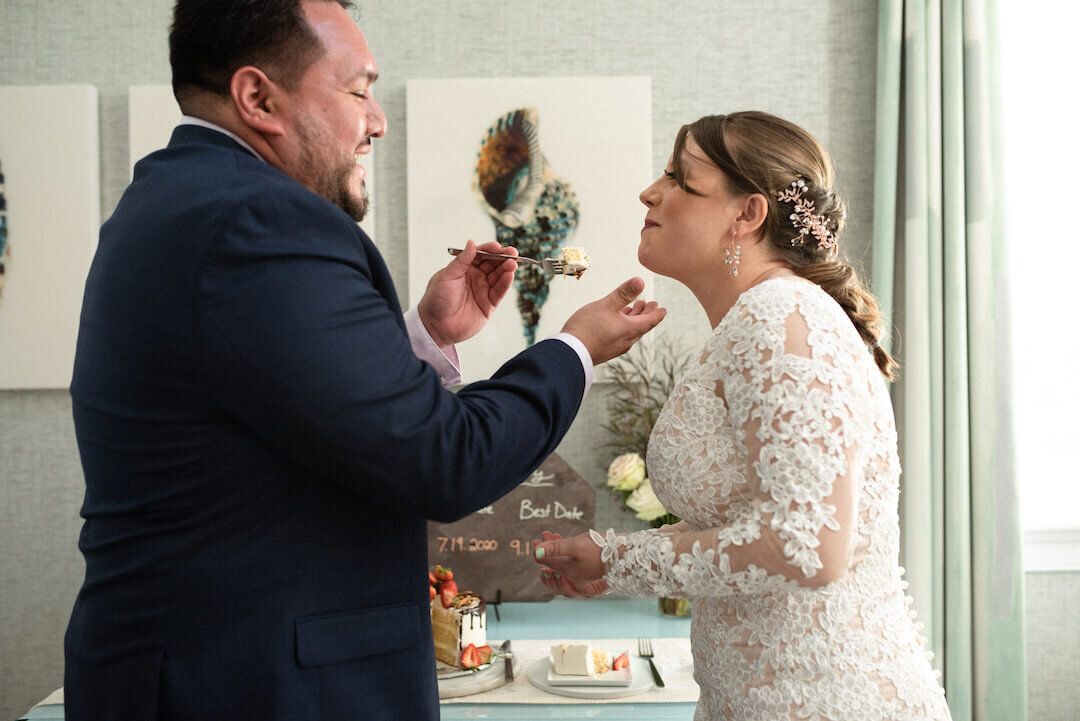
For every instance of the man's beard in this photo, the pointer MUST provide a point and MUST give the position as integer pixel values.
(356, 207)
(331, 180)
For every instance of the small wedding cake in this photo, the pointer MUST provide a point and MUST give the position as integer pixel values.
(458, 622)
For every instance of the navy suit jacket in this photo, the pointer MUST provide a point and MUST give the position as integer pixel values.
(262, 450)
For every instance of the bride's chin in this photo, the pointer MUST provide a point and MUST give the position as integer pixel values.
(643, 258)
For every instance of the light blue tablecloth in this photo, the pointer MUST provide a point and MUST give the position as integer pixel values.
(598, 618)
(608, 617)
(594, 619)
(53, 712)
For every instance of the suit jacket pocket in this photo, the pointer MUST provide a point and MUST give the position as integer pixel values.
(349, 635)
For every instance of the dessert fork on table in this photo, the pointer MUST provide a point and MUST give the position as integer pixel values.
(645, 651)
(554, 266)
(508, 660)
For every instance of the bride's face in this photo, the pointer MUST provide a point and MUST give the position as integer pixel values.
(689, 219)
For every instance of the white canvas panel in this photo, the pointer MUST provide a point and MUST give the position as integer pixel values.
(152, 116)
(595, 134)
(49, 153)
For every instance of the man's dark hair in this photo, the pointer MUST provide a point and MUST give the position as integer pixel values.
(210, 39)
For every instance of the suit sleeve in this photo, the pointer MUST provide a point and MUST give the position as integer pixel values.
(305, 345)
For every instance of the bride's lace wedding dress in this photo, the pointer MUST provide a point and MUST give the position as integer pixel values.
(778, 451)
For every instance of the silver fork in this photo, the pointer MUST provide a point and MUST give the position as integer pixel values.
(551, 265)
(644, 650)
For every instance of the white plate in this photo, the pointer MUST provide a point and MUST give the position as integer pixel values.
(622, 677)
(640, 681)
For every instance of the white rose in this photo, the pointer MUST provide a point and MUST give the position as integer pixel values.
(645, 502)
(626, 472)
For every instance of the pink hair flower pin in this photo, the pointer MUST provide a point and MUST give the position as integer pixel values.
(804, 219)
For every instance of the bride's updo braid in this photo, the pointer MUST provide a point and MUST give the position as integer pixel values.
(761, 153)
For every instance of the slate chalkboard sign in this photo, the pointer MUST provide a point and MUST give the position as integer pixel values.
(491, 550)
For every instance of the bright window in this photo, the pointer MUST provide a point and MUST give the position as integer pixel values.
(1042, 178)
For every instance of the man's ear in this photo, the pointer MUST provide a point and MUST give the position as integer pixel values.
(257, 100)
(752, 214)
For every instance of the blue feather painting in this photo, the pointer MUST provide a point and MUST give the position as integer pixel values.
(533, 210)
(535, 163)
(5, 250)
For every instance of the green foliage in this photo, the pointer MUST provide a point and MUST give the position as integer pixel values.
(644, 378)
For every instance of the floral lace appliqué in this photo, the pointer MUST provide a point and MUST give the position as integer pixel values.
(778, 449)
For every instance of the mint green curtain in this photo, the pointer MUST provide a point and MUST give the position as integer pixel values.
(940, 272)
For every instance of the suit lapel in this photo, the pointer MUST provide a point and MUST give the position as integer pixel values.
(380, 275)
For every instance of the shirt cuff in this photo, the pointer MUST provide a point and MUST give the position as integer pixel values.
(583, 356)
(443, 360)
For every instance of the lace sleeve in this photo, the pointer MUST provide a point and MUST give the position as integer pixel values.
(798, 418)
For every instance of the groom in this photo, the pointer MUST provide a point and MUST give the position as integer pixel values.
(262, 444)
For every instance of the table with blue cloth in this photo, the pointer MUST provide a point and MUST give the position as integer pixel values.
(562, 619)
(585, 621)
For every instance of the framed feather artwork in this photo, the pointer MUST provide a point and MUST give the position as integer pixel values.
(153, 114)
(541, 164)
(52, 211)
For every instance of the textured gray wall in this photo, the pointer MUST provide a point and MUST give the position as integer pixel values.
(1052, 625)
(40, 567)
(812, 62)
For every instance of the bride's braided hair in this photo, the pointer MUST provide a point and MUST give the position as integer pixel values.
(761, 153)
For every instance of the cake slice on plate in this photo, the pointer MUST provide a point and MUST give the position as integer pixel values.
(458, 622)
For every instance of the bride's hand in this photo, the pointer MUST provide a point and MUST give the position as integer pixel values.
(571, 566)
(563, 586)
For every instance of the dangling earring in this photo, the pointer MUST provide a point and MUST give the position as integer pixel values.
(732, 253)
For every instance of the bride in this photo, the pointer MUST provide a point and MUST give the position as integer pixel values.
(777, 448)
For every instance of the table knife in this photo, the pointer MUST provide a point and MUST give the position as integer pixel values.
(508, 660)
